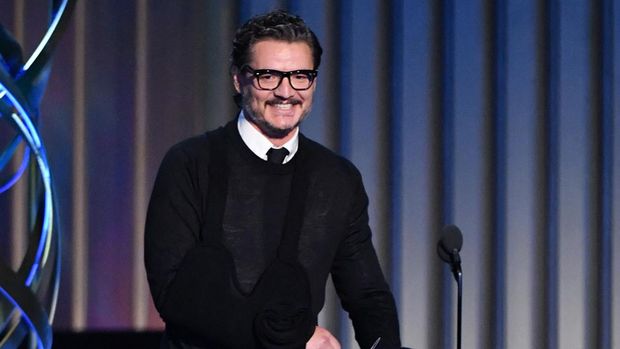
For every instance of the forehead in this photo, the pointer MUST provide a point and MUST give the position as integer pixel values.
(281, 55)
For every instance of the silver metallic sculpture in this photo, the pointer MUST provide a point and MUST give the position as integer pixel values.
(28, 295)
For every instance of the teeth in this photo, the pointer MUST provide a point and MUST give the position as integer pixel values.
(283, 106)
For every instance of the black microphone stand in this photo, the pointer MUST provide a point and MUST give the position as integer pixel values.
(455, 262)
(459, 311)
(448, 249)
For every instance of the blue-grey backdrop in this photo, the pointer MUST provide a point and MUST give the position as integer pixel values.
(498, 116)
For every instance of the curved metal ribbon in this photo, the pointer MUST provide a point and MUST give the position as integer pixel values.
(28, 297)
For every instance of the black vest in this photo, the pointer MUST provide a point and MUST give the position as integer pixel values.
(277, 312)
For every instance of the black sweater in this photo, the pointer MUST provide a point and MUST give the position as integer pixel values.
(334, 236)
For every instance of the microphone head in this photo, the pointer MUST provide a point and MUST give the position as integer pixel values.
(450, 243)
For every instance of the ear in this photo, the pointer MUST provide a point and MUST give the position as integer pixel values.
(236, 82)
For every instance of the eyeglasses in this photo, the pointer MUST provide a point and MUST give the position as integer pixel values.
(270, 79)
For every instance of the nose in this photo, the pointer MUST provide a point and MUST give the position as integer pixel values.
(285, 90)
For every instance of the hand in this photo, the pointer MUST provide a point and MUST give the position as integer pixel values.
(322, 339)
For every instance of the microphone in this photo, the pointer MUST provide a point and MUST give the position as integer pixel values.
(449, 246)
(448, 249)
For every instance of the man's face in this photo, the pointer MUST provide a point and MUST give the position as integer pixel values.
(276, 113)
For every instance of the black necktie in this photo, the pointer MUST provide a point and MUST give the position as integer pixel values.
(276, 156)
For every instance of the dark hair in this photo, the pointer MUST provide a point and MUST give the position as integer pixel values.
(277, 25)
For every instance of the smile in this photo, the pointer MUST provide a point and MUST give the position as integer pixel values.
(288, 105)
(283, 106)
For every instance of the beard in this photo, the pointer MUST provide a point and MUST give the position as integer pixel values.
(267, 128)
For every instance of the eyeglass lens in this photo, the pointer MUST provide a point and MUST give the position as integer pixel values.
(270, 80)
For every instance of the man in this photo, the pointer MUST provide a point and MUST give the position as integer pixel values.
(246, 222)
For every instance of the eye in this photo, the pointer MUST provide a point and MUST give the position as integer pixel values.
(267, 77)
(301, 77)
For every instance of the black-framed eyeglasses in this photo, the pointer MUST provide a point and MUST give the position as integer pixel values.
(270, 79)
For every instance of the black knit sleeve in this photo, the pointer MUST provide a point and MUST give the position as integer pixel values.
(173, 220)
(359, 280)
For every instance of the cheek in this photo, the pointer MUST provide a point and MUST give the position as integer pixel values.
(258, 98)
(248, 95)
(307, 97)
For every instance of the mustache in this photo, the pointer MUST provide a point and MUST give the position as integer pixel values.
(293, 101)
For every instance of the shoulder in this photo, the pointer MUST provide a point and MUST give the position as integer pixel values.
(189, 158)
(186, 164)
(187, 150)
(319, 158)
(196, 148)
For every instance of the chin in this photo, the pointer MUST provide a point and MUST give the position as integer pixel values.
(283, 126)
(276, 133)
(284, 122)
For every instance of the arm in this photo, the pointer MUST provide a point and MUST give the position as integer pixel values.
(173, 220)
(359, 280)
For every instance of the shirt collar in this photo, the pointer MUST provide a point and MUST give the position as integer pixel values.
(259, 144)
